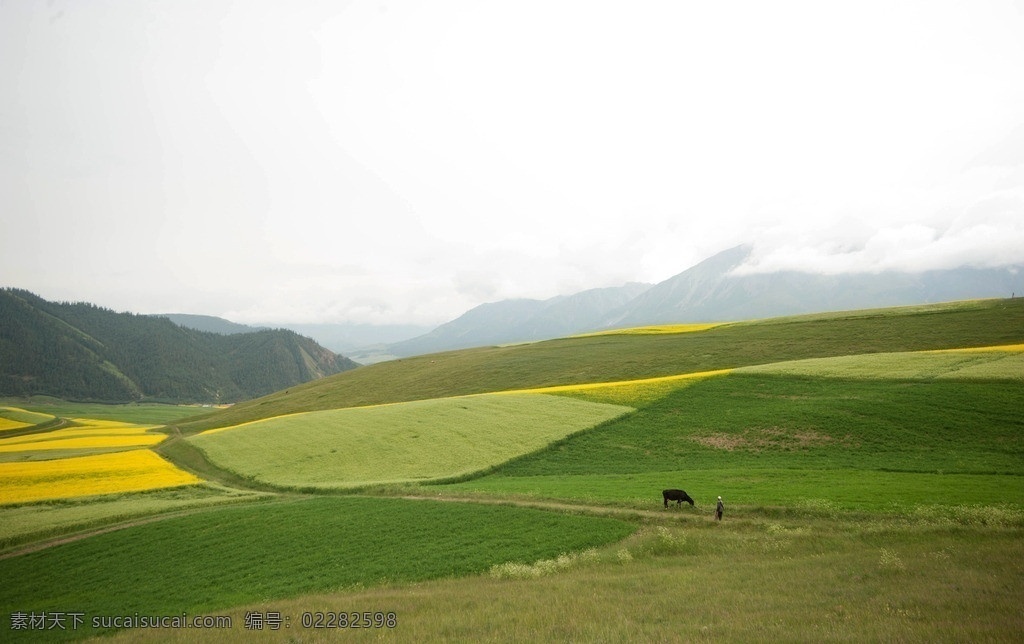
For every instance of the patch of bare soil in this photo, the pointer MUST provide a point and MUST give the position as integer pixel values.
(757, 439)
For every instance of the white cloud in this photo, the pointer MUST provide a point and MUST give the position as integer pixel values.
(404, 161)
(987, 233)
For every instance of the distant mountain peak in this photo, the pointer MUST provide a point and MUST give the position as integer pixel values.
(522, 320)
(710, 291)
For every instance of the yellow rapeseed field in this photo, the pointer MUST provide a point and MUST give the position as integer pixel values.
(130, 471)
(112, 426)
(81, 442)
(628, 392)
(1006, 348)
(16, 418)
(654, 329)
(91, 434)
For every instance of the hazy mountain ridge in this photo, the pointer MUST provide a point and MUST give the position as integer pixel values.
(346, 337)
(707, 292)
(523, 320)
(84, 352)
(210, 323)
(711, 292)
(341, 337)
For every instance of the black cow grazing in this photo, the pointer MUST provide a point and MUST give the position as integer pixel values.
(676, 495)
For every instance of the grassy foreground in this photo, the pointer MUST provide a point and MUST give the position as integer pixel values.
(805, 580)
(225, 557)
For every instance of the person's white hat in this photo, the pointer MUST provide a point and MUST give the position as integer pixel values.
(719, 498)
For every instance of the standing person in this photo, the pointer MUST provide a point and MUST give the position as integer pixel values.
(719, 509)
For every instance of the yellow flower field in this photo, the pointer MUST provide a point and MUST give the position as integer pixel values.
(656, 329)
(1004, 348)
(83, 442)
(130, 471)
(628, 392)
(91, 434)
(15, 418)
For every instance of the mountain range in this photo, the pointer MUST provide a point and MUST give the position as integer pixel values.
(522, 320)
(83, 352)
(79, 351)
(709, 292)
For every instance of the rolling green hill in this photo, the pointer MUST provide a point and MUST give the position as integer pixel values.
(873, 482)
(622, 357)
(84, 352)
(769, 440)
(404, 442)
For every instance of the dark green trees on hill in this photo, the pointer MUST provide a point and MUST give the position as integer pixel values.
(84, 352)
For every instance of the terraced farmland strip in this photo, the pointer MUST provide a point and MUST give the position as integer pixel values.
(6, 424)
(612, 358)
(417, 441)
(84, 442)
(25, 523)
(627, 392)
(17, 418)
(658, 329)
(129, 471)
(1004, 362)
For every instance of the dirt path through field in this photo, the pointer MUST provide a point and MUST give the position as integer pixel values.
(670, 514)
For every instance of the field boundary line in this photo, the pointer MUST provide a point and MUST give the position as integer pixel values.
(51, 542)
(560, 506)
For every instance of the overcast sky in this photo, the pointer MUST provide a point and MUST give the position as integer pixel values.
(402, 162)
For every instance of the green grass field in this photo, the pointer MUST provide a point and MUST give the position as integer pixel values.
(769, 441)
(872, 493)
(952, 365)
(785, 581)
(140, 413)
(816, 581)
(793, 422)
(766, 492)
(416, 441)
(217, 559)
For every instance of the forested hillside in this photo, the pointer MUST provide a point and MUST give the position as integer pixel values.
(83, 352)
